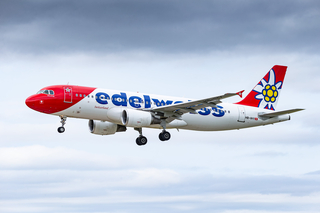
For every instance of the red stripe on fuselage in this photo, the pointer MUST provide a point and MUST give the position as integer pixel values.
(64, 97)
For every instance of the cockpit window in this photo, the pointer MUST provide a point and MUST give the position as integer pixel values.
(48, 92)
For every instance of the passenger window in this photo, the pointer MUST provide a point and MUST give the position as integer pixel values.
(76, 95)
(84, 96)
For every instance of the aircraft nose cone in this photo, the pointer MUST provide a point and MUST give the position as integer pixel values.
(30, 102)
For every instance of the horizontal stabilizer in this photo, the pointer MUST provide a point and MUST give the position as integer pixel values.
(275, 114)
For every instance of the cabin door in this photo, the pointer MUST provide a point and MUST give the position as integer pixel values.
(67, 94)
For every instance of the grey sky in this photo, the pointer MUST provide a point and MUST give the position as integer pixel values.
(166, 26)
(193, 49)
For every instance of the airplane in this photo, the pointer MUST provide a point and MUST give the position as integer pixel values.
(111, 111)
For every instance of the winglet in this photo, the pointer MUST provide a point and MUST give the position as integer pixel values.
(240, 93)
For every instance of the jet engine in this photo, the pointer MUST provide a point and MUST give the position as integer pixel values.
(137, 118)
(105, 128)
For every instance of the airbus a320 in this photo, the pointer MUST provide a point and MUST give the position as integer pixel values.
(111, 111)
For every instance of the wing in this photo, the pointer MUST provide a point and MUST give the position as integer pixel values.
(191, 106)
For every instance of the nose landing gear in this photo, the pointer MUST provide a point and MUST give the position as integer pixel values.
(61, 129)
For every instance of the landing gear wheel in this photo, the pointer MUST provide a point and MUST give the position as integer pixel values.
(164, 136)
(161, 137)
(61, 129)
(141, 140)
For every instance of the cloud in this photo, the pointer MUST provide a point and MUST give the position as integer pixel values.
(269, 154)
(91, 195)
(314, 173)
(167, 26)
(42, 178)
(40, 157)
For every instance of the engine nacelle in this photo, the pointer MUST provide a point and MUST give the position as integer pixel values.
(114, 114)
(137, 118)
(105, 128)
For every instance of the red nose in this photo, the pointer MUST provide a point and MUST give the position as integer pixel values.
(34, 102)
(30, 102)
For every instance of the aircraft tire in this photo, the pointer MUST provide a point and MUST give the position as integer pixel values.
(161, 137)
(141, 140)
(164, 136)
(61, 129)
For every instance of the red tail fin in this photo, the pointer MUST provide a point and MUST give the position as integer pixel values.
(266, 93)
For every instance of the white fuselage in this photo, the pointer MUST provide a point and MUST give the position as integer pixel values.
(99, 104)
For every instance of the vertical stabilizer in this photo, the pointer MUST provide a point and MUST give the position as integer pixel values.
(266, 93)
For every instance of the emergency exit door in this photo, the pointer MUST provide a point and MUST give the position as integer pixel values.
(242, 114)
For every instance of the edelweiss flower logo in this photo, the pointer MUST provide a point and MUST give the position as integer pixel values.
(68, 89)
(268, 91)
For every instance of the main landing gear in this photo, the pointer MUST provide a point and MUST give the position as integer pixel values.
(141, 140)
(163, 136)
(61, 129)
